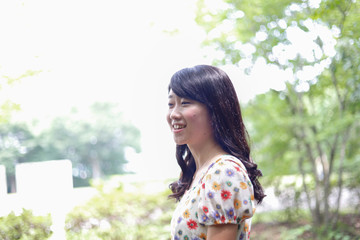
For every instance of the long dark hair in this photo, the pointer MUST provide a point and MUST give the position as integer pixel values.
(212, 87)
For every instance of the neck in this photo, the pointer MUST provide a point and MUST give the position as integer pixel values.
(205, 153)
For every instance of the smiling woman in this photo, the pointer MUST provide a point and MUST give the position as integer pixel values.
(218, 183)
(189, 120)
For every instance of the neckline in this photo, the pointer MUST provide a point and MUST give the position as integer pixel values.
(208, 168)
(221, 157)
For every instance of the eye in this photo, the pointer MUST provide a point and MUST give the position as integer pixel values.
(170, 105)
(185, 102)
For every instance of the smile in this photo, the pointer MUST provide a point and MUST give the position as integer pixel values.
(177, 127)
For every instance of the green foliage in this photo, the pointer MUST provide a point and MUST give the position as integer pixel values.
(281, 216)
(334, 235)
(310, 128)
(16, 140)
(116, 214)
(16, 143)
(272, 141)
(25, 226)
(95, 142)
(7, 107)
(295, 233)
(279, 226)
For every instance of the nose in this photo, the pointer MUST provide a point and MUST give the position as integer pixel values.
(174, 113)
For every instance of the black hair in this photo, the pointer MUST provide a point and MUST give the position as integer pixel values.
(212, 86)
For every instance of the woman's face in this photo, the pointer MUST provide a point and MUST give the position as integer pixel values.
(189, 121)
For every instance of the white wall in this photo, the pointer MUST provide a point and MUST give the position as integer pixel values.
(3, 188)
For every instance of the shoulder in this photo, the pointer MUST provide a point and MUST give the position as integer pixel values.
(224, 169)
(226, 194)
(229, 164)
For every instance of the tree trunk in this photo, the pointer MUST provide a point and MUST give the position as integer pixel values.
(96, 168)
(340, 174)
(11, 182)
(301, 136)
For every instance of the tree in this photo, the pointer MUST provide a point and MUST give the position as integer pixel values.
(310, 127)
(6, 105)
(17, 143)
(16, 140)
(95, 142)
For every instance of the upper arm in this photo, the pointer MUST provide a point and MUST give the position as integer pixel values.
(225, 201)
(222, 232)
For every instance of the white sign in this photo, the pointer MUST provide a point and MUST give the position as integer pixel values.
(44, 178)
(46, 187)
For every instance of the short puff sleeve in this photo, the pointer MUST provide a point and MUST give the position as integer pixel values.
(226, 195)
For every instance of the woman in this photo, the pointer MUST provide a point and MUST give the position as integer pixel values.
(218, 182)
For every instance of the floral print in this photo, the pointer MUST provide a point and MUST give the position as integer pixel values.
(237, 203)
(186, 213)
(191, 224)
(216, 186)
(224, 195)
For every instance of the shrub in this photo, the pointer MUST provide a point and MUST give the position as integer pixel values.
(25, 226)
(121, 215)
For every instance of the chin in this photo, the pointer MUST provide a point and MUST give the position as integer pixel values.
(180, 141)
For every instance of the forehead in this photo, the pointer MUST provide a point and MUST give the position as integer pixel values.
(172, 94)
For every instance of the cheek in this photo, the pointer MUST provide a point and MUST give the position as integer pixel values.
(192, 117)
(200, 120)
(168, 118)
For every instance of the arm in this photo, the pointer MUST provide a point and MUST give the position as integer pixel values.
(225, 200)
(222, 232)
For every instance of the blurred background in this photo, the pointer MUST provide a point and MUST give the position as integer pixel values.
(85, 150)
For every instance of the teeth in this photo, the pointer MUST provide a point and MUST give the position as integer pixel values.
(178, 126)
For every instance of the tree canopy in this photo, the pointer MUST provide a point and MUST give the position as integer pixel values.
(94, 141)
(7, 106)
(309, 128)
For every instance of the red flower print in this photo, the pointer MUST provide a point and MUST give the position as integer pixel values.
(206, 210)
(222, 219)
(191, 224)
(225, 194)
(237, 169)
(203, 185)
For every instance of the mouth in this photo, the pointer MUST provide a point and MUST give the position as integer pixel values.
(178, 126)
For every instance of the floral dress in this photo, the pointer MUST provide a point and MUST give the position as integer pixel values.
(224, 195)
